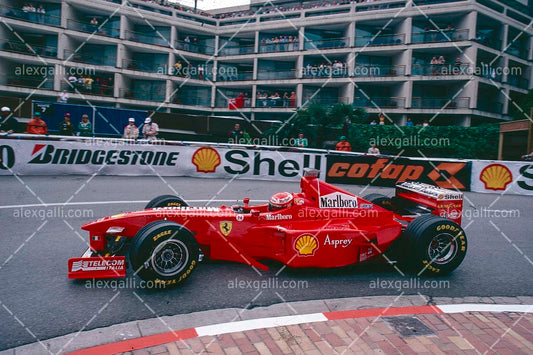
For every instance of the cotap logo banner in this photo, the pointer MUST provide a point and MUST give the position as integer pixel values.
(502, 177)
(108, 157)
(387, 171)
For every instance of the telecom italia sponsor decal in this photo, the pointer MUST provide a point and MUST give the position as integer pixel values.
(97, 265)
(338, 200)
(502, 177)
(256, 164)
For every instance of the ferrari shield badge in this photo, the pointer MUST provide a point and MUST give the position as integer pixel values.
(225, 227)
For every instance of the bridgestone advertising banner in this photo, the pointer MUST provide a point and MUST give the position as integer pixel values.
(502, 177)
(387, 171)
(108, 157)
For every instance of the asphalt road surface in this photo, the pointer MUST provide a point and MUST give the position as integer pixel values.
(37, 301)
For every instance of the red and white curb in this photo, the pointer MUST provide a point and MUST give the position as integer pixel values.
(261, 323)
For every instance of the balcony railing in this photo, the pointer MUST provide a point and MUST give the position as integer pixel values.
(35, 17)
(144, 66)
(192, 47)
(279, 47)
(381, 40)
(378, 70)
(329, 43)
(193, 71)
(11, 45)
(325, 100)
(520, 52)
(232, 102)
(236, 50)
(155, 39)
(488, 40)
(518, 81)
(325, 72)
(96, 88)
(441, 103)
(192, 100)
(276, 74)
(274, 102)
(440, 69)
(102, 30)
(153, 94)
(234, 75)
(440, 36)
(28, 81)
(89, 58)
(380, 102)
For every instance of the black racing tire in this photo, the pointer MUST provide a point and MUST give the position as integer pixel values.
(437, 245)
(164, 252)
(166, 201)
(380, 200)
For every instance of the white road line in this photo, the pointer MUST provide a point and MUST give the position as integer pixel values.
(108, 203)
(261, 323)
(465, 307)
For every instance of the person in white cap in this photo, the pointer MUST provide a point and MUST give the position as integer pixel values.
(150, 129)
(131, 131)
(8, 123)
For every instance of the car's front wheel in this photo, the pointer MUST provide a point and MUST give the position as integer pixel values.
(166, 201)
(437, 245)
(164, 252)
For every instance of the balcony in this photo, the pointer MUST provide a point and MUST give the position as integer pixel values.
(380, 102)
(518, 81)
(440, 69)
(236, 50)
(380, 40)
(489, 40)
(192, 100)
(11, 45)
(29, 81)
(325, 72)
(441, 103)
(520, 52)
(325, 100)
(89, 58)
(276, 74)
(490, 106)
(196, 48)
(368, 71)
(140, 65)
(154, 39)
(440, 36)
(279, 47)
(147, 95)
(30, 16)
(103, 30)
(234, 75)
(329, 43)
(97, 88)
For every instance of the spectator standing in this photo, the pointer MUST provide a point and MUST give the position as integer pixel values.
(85, 128)
(8, 123)
(292, 99)
(66, 128)
(381, 119)
(131, 131)
(373, 150)
(286, 99)
(425, 124)
(374, 123)
(301, 141)
(409, 122)
(88, 83)
(73, 82)
(63, 97)
(343, 145)
(150, 129)
(37, 125)
(236, 134)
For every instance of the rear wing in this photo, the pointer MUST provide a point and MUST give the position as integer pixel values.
(441, 202)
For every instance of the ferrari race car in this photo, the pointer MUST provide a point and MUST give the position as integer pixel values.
(321, 226)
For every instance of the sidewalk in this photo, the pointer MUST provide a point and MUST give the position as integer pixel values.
(406, 325)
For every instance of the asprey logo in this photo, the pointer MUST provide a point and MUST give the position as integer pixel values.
(338, 200)
(97, 265)
(49, 154)
(206, 160)
(496, 177)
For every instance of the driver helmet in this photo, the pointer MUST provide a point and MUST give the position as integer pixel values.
(280, 200)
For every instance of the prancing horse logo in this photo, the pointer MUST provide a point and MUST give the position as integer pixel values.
(225, 227)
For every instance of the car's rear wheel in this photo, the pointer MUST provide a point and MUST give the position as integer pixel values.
(166, 201)
(380, 200)
(437, 245)
(164, 252)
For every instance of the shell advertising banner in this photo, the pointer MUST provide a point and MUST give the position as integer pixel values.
(502, 177)
(121, 157)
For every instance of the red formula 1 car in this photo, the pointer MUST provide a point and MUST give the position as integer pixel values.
(321, 226)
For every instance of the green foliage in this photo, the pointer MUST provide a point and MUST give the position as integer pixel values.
(321, 123)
